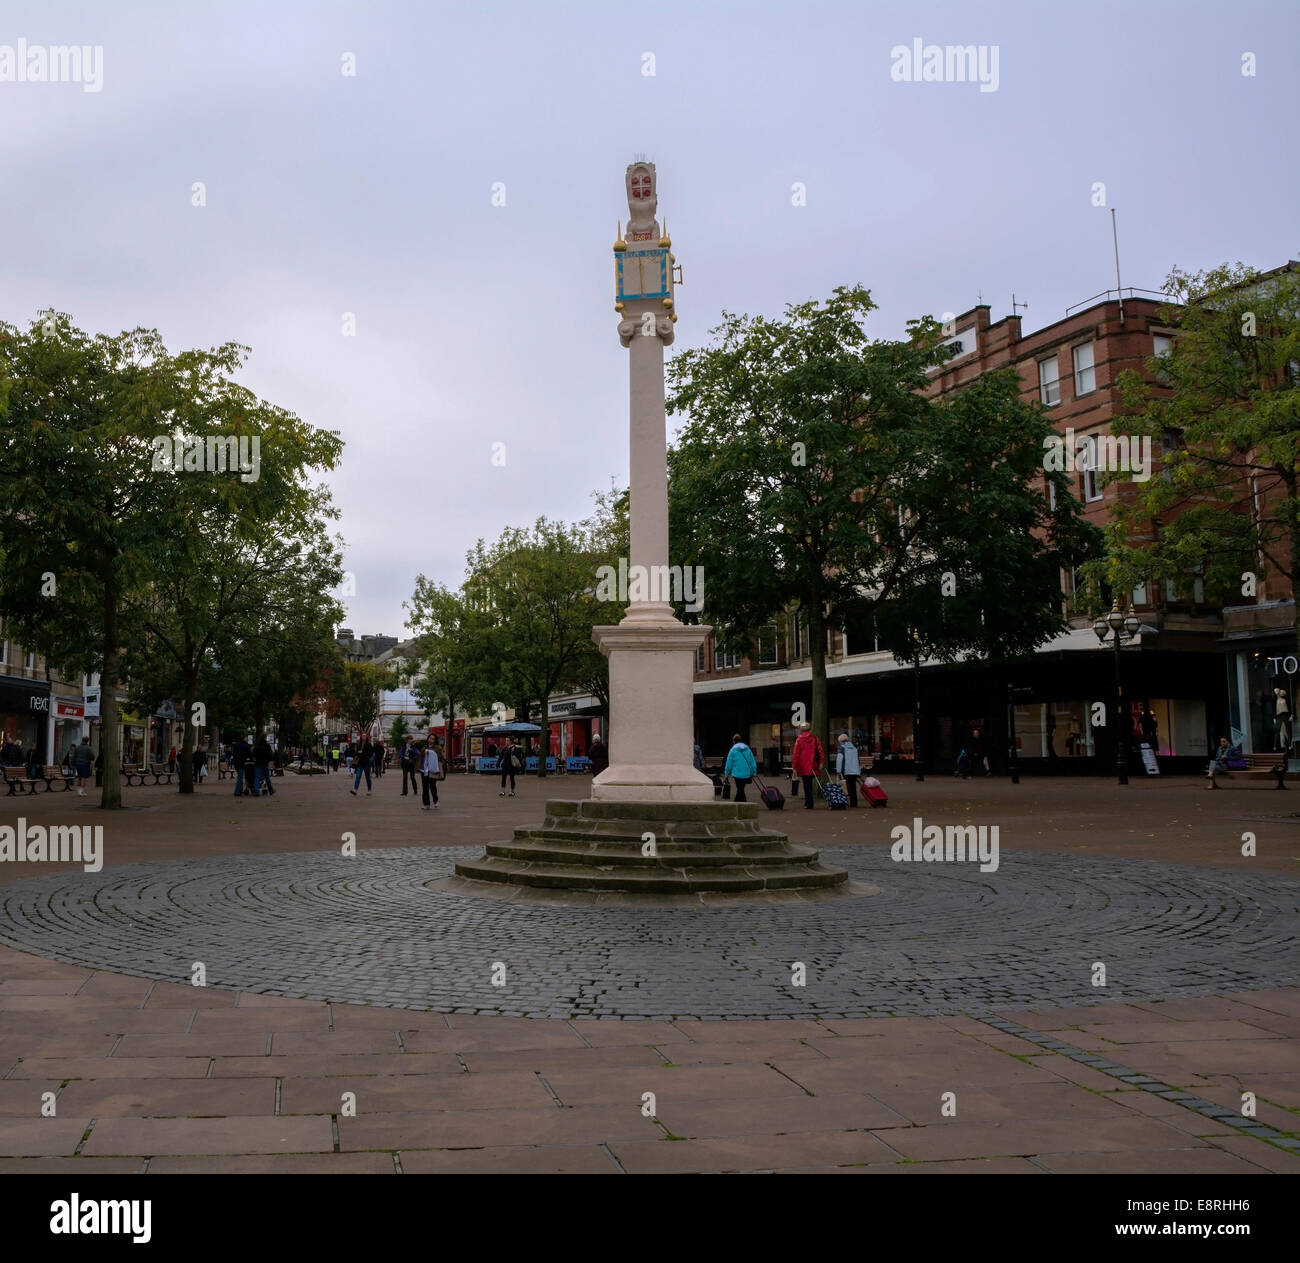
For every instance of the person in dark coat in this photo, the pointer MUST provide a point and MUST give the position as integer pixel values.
(599, 756)
(512, 764)
(365, 757)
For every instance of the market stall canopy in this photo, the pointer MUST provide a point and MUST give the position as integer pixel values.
(512, 730)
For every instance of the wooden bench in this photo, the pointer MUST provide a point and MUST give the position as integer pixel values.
(51, 774)
(158, 771)
(1258, 766)
(132, 774)
(18, 780)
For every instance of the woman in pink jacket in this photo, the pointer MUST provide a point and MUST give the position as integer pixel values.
(807, 760)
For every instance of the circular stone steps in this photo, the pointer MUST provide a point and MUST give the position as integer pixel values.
(716, 848)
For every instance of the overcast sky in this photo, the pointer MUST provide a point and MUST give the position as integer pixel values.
(372, 194)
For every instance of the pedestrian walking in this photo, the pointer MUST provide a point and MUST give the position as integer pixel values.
(171, 759)
(849, 766)
(741, 766)
(432, 771)
(83, 759)
(362, 765)
(512, 763)
(378, 759)
(807, 760)
(409, 757)
(200, 763)
(599, 756)
(697, 760)
(262, 757)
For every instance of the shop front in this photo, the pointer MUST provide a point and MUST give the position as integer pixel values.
(25, 714)
(68, 725)
(1061, 699)
(1263, 676)
(134, 731)
(1262, 697)
(574, 723)
(455, 752)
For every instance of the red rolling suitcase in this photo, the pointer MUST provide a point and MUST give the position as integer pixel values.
(873, 793)
(773, 798)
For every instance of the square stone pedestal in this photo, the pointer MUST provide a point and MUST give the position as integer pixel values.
(652, 712)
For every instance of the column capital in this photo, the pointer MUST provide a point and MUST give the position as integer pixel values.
(646, 325)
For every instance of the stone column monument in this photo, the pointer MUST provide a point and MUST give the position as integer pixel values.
(652, 829)
(651, 653)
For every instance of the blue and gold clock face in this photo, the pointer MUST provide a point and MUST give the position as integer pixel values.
(642, 274)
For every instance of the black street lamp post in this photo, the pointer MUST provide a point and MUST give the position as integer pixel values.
(1119, 627)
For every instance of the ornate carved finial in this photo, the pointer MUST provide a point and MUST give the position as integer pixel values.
(642, 202)
(619, 243)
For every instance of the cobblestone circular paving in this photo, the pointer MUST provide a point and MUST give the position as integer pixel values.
(939, 938)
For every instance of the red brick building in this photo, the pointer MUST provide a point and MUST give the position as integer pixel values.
(1176, 670)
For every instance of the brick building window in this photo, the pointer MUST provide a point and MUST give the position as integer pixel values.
(725, 661)
(1085, 375)
(1049, 382)
(699, 658)
(1091, 483)
(767, 646)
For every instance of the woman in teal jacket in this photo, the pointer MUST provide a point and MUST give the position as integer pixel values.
(741, 766)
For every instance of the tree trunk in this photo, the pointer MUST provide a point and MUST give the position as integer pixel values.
(190, 737)
(109, 744)
(821, 719)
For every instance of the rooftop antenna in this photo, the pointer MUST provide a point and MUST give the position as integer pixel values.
(1114, 234)
(1015, 304)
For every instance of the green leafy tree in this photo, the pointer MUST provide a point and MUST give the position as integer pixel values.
(84, 503)
(257, 587)
(358, 689)
(537, 588)
(813, 473)
(607, 537)
(1223, 406)
(455, 649)
(398, 732)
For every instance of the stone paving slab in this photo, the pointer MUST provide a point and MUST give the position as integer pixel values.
(955, 1139)
(416, 1094)
(230, 1135)
(275, 1164)
(38, 1137)
(510, 1160)
(162, 1098)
